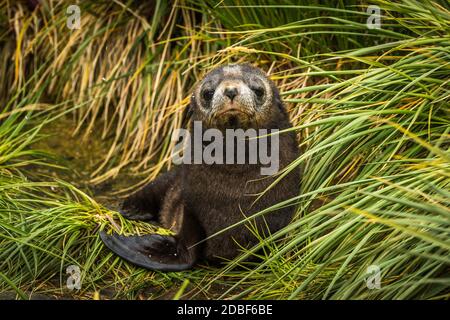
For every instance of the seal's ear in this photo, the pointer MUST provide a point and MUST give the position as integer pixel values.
(188, 111)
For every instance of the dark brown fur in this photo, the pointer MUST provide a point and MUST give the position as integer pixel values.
(199, 200)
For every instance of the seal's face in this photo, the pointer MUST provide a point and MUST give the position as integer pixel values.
(234, 96)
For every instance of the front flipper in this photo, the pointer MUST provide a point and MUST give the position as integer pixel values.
(132, 213)
(154, 252)
(145, 204)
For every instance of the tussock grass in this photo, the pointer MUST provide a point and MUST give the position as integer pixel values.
(48, 225)
(370, 107)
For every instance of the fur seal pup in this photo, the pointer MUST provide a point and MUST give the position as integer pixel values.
(198, 200)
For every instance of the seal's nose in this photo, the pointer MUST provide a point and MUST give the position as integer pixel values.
(230, 92)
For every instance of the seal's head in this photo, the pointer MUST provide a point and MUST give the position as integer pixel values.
(235, 96)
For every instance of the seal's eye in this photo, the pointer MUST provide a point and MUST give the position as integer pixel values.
(207, 94)
(259, 91)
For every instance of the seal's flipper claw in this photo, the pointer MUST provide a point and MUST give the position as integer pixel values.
(154, 251)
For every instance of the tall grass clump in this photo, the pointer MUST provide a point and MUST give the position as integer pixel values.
(370, 108)
(48, 225)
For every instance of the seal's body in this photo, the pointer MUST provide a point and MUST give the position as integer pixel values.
(196, 201)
